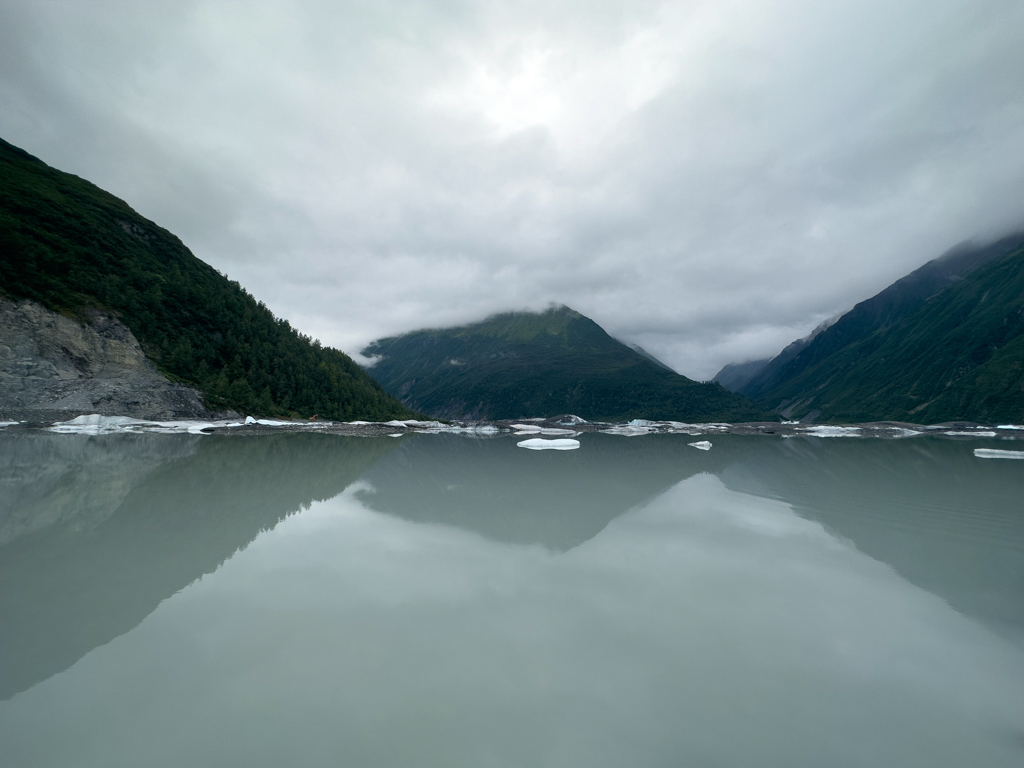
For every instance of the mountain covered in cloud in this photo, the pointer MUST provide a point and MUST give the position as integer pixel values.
(527, 364)
(946, 342)
(71, 247)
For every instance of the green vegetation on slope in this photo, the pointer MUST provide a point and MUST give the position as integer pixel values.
(528, 364)
(70, 246)
(956, 354)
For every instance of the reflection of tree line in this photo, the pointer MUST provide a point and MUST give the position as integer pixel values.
(945, 520)
(67, 588)
(925, 507)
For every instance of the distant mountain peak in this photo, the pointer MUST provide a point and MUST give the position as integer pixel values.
(525, 364)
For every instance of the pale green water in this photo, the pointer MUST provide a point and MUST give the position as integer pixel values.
(309, 600)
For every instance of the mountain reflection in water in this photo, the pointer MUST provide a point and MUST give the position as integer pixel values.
(96, 531)
(154, 513)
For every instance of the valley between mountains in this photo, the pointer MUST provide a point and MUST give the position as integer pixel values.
(103, 311)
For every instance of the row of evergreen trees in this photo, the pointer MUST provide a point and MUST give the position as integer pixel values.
(72, 247)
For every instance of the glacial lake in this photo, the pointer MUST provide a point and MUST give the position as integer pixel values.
(439, 600)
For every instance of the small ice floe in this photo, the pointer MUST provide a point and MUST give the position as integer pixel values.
(633, 428)
(702, 445)
(980, 433)
(356, 423)
(95, 424)
(826, 431)
(1009, 426)
(629, 431)
(397, 434)
(473, 430)
(540, 444)
(7, 424)
(250, 420)
(682, 428)
(533, 429)
(995, 453)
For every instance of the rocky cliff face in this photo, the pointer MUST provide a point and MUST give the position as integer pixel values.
(53, 367)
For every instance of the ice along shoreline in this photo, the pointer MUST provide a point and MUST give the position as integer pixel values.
(566, 427)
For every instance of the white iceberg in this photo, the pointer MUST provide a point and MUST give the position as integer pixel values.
(540, 444)
(1009, 426)
(702, 445)
(995, 453)
(983, 433)
(95, 424)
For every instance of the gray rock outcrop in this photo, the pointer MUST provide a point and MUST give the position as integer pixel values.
(53, 367)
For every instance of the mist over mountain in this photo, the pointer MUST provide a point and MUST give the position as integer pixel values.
(945, 342)
(542, 364)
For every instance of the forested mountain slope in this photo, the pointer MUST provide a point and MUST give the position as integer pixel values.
(944, 343)
(542, 364)
(72, 247)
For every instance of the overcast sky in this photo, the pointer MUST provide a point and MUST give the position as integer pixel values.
(708, 179)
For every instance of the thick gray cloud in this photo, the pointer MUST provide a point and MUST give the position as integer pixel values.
(709, 179)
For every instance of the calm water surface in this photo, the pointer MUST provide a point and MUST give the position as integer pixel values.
(436, 600)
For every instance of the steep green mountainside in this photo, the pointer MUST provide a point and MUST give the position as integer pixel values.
(944, 343)
(70, 246)
(736, 376)
(542, 364)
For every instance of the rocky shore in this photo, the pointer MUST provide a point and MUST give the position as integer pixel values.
(54, 368)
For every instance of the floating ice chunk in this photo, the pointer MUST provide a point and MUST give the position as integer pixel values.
(397, 434)
(525, 427)
(629, 431)
(250, 420)
(995, 453)
(702, 445)
(1009, 426)
(7, 423)
(483, 429)
(540, 444)
(982, 433)
(274, 423)
(95, 424)
(358, 423)
(824, 431)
